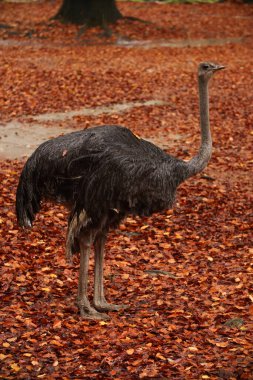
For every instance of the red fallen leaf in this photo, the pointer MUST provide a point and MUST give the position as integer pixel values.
(57, 324)
(27, 334)
(165, 245)
(218, 344)
(6, 280)
(160, 356)
(136, 363)
(29, 322)
(78, 342)
(56, 343)
(149, 371)
(251, 310)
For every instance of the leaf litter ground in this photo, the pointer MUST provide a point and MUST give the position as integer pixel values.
(186, 274)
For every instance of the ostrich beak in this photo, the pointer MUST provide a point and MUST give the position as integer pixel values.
(219, 67)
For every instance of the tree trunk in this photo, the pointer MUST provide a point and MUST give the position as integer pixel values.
(89, 12)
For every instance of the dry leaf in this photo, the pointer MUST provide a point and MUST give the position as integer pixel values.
(15, 367)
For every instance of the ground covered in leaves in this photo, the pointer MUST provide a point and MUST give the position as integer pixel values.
(185, 274)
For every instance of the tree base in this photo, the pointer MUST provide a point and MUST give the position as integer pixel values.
(107, 32)
(89, 13)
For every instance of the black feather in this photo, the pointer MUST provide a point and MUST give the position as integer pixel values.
(99, 170)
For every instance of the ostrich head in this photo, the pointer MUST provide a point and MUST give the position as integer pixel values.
(207, 69)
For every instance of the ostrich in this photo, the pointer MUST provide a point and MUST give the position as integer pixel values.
(103, 174)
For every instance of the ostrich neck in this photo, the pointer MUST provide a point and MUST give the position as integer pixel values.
(200, 161)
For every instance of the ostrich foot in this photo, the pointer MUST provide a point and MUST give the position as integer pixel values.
(88, 312)
(105, 306)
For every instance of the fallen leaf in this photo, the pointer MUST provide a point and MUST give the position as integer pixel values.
(46, 289)
(57, 324)
(2, 356)
(15, 367)
(193, 348)
(56, 343)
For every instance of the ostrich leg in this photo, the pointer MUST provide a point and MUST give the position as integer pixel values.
(99, 300)
(86, 310)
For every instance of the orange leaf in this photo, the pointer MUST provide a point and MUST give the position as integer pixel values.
(57, 324)
(56, 343)
(15, 367)
(221, 344)
(2, 356)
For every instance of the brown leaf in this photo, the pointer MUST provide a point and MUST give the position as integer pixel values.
(57, 324)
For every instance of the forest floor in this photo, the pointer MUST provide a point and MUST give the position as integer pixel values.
(185, 274)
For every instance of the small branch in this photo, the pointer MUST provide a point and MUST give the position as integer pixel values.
(207, 177)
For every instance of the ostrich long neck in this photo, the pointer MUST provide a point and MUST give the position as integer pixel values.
(200, 161)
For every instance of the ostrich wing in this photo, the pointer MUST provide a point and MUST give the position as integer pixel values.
(127, 180)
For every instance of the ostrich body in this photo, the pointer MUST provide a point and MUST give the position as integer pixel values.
(103, 174)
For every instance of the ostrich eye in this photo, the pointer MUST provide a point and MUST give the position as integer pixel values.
(205, 67)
